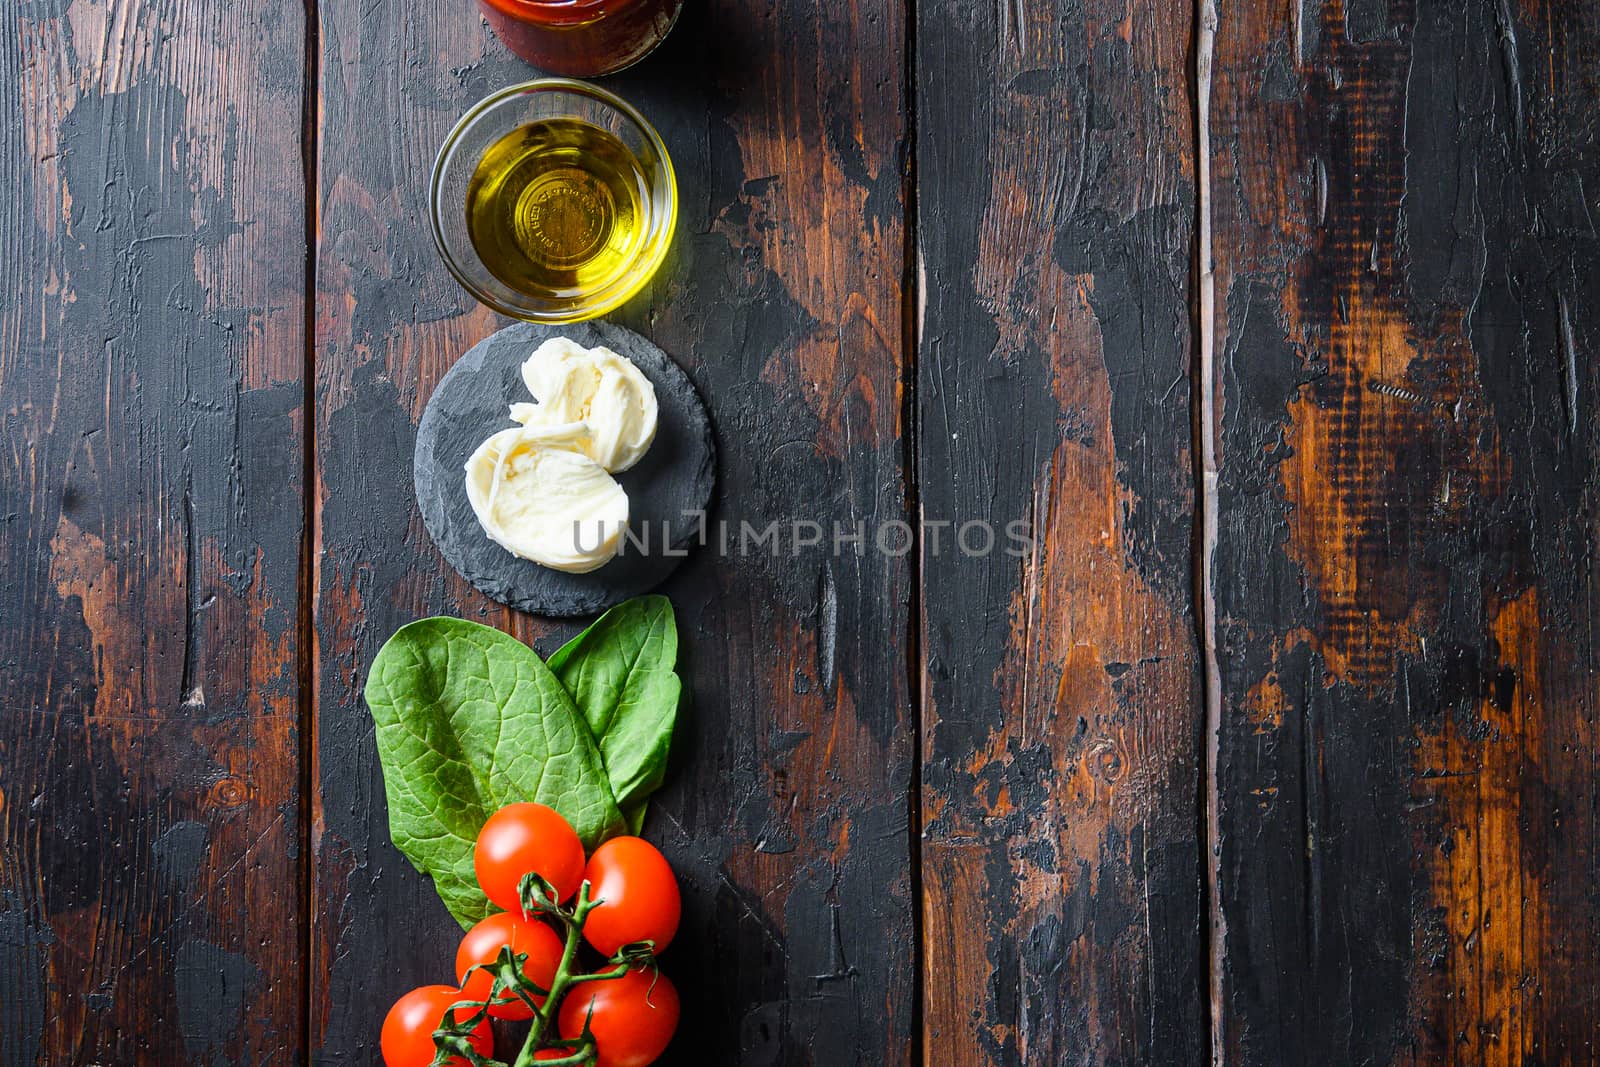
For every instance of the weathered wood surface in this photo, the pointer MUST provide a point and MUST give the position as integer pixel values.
(389, 321)
(1061, 771)
(1343, 250)
(786, 814)
(1407, 277)
(151, 357)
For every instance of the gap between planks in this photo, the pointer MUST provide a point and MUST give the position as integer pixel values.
(911, 304)
(1213, 923)
(310, 532)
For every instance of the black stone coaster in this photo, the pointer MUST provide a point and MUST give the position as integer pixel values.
(669, 490)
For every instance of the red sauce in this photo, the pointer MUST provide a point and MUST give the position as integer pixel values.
(581, 38)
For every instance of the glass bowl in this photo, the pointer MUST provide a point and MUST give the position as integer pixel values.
(626, 257)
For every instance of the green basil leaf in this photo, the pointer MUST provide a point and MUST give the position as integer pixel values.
(469, 720)
(620, 672)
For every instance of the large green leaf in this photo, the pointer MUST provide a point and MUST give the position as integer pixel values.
(620, 672)
(469, 720)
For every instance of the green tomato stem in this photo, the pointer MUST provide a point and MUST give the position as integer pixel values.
(612, 975)
(544, 1019)
(583, 1055)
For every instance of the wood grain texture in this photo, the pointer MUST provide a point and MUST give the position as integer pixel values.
(1061, 868)
(389, 321)
(1405, 574)
(1398, 218)
(151, 356)
(786, 809)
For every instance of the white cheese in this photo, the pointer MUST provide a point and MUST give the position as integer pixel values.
(597, 387)
(541, 500)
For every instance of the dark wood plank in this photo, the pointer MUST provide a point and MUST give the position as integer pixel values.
(787, 815)
(787, 807)
(1062, 872)
(390, 321)
(1407, 277)
(151, 357)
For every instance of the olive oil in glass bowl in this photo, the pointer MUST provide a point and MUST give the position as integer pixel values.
(553, 201)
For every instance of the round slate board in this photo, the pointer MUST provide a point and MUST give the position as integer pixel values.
(667, 490)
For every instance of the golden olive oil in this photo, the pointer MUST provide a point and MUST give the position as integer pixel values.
(558, 208)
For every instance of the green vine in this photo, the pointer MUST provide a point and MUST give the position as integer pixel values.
(538, 898)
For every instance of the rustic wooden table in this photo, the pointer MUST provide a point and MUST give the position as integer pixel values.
(1274, 323)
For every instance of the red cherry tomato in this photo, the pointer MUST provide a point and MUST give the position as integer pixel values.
(526, 837)
(634, 1017)
(482, 944)
(407, 1039)
(640, 894)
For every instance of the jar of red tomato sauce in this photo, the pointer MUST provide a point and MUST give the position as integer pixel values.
(582, 38)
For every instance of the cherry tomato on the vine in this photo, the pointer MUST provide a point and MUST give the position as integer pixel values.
(407, 1039)
(639, 895)
(520, 838)
(482, 945)
(634, 1017)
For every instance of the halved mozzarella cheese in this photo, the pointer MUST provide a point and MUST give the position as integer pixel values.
(598, 388)
(541, 500)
